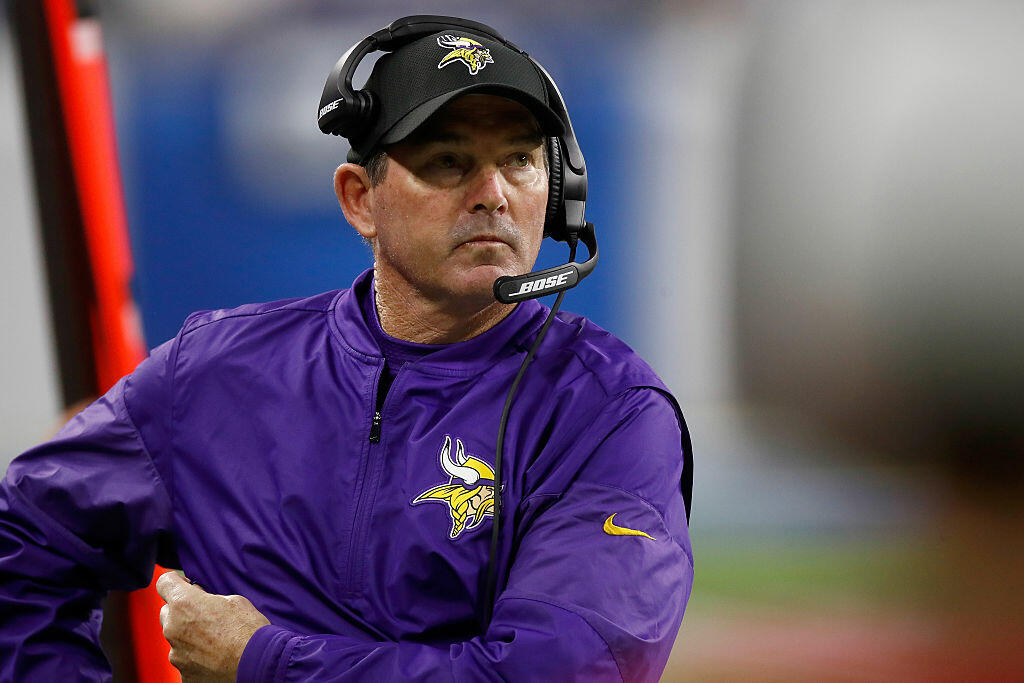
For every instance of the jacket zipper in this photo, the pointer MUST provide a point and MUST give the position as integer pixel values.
(383, 385)
(375, 428)
(352, 579)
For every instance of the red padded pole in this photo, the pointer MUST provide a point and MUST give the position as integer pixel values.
(117, 337)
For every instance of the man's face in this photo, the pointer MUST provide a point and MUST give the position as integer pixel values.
(463, 201)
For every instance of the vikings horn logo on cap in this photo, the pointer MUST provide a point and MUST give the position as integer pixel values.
(469, 493)
(466, 50)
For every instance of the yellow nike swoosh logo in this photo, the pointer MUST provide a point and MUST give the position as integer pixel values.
(613, 529)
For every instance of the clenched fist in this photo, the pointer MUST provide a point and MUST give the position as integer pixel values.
(207, 632)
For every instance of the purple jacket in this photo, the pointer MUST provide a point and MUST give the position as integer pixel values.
(251, 451)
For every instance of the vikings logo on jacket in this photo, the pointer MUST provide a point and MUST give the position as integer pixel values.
(469, 493)
(466, 50)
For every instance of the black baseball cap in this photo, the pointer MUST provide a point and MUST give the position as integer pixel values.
(418, 79)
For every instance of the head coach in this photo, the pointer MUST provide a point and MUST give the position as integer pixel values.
(426, 476)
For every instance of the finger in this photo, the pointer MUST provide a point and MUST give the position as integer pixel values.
(167, 584)
(164, 614)
(172, 585)
(237, 600)
(175, 659)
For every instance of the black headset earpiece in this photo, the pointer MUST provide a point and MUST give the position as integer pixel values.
(554, 225)
(344, 111)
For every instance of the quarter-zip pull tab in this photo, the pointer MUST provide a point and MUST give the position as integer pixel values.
(384, 381)
(375, 428)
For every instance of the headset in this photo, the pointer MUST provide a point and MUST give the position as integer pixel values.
(351, 113)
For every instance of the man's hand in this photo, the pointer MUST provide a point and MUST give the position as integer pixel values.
(207, 632)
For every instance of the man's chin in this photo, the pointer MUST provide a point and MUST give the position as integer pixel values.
(478, 281)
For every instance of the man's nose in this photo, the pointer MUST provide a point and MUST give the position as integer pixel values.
(487, 192)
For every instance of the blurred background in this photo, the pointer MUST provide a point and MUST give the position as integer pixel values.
(810, 216)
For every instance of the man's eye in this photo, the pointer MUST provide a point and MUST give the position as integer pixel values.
(519, 160)
(446, 161)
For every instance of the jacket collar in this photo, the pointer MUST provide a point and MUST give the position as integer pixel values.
(512, 334)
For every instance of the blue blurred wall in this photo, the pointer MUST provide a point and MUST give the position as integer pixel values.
(202, 239)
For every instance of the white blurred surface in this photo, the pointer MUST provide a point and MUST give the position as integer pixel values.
(29, 400)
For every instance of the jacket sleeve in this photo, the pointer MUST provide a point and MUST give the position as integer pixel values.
(81, 514)
(587, 598)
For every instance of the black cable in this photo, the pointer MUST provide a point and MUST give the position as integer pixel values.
(492, 562)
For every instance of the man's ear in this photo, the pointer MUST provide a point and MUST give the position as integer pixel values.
(352, 186)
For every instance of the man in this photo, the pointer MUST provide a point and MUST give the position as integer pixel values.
(331, 459)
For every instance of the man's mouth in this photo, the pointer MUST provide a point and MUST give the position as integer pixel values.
(485, 240)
